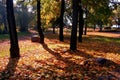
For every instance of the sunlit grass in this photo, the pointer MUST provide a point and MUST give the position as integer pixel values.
(103, 39)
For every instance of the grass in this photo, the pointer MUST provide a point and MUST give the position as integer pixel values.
(103, 39)
(6, 36)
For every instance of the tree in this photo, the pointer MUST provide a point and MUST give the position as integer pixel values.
(73, 41)
(81, 22)
(118, 10)
(61, 37)
(14, 48)
(97, 9)
(39, 22)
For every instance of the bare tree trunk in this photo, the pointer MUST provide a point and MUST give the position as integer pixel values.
(81, 22)
(61, 37)
(73, 41)
(39, 23)
(14, 48)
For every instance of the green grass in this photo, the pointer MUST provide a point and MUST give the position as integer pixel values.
(101, 38)
(6, 36)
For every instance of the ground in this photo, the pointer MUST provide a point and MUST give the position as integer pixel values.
(54, 61)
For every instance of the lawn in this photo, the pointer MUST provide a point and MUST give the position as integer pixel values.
(54, 61)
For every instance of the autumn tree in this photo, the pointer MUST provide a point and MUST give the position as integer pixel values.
(97, 9)
(73, 41)
(14, 48)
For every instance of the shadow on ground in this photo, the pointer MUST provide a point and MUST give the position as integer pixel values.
(10, 69)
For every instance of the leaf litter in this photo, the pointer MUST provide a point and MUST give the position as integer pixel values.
(54, 61)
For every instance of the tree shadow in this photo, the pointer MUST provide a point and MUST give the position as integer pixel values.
(10, 68)
(73, 66)
(59, 57)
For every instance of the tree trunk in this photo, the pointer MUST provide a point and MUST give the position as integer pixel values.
(14, 48)
(73, 41)
(81, 23)
(61, 37)
(85, 32)
(94, 27)
(39, 23)
(100, 25)
(119, 21)
(53, 29)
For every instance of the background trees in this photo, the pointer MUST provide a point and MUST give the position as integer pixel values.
(97, 12)
(23, 16)
(3, 18)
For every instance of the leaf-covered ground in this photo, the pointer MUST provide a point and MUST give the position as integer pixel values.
(54, 61)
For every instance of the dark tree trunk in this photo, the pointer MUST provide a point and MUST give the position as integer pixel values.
(119, 21)
(85, 32)
(86, 12)
(73, 41)
(53, 29)
(14, 48)
(100, 25)
(61, 37)
(81, 22)
(39, 23)
(94, 27)
(22, 27)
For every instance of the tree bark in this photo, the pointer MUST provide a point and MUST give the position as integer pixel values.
(61, 37)
(14, 47)
(85, 32)
(73, 41)
(81, 22)
(39, 23)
